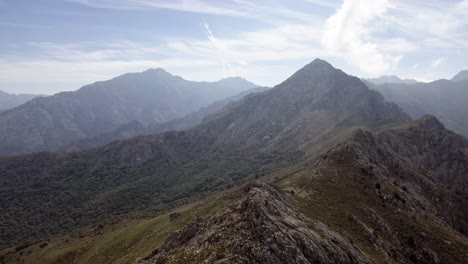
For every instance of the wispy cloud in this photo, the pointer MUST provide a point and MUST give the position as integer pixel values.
(364, 37)
(221, 49)
(267, 11)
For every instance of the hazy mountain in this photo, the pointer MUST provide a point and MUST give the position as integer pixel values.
(390, 79)
(444, 99)
(8, 101)
(150, 97)
(352, 180)
(306, 114)
(136, 128)
(463, 75)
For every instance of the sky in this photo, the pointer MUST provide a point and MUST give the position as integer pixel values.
(48, 46)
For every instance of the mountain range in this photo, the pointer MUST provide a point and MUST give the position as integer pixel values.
(151, 97)
(8, 101)
(332, 173)
(389, 79)
(444, 99)
(318, 169)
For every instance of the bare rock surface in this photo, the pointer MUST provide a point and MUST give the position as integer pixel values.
(262, 227)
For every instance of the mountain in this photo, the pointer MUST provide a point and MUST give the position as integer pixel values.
(344, 177)
(392, 194)
(261, 227)
(387, 191)
(319, 105)
(443, 99)
(150, 97)
(463, 75)
(8, 101)
(390, 79)
(136, 128)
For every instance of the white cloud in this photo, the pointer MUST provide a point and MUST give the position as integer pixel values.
(437, 62)
(347, 31)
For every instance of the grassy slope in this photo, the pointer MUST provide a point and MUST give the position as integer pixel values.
(94, 246)
(119, 244)
(318, 192)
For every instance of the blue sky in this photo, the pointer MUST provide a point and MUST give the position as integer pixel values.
(49, 46)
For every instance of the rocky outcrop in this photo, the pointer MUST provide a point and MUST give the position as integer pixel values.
(430, 161)
(263, 227)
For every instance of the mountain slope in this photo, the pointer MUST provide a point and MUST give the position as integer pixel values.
(374, 198)
(8, 101)
(278, 128)
(393, 191)
(444, 99)
(150, 97)
(317, 100)
(463, 75)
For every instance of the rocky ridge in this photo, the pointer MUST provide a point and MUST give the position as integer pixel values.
(263, 227)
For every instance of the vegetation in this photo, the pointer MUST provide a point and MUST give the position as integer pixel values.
(47, 194)
(120, 243)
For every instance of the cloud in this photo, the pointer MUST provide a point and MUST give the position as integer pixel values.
(437, 62)
(346, 34)
(221, 49)
(363, 37)
(272, 12)
(195, 6)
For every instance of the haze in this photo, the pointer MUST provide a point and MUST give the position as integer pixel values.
(50, 46)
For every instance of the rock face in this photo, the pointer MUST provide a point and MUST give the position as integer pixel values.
(151, 97)
(427, 144)
(261, 228)
(430, 161)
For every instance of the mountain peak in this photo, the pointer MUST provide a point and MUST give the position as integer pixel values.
(312, 72)
(159, 71)
(319, 63)
(463, 75)
(429, 121)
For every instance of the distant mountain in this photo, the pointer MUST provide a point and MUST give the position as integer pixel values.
(305, 115)
(463, 75)
(150, 97)
(444, 99)
(390, 79)
(136, 128)
(8, 101)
